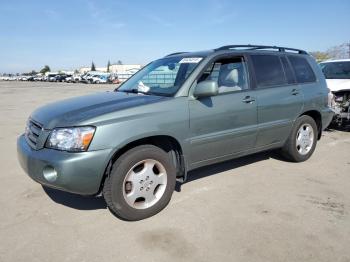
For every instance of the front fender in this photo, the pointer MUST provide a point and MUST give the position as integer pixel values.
(167, 118)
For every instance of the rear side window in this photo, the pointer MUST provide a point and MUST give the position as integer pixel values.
(287, 70)
(302, 69)
(268, 70)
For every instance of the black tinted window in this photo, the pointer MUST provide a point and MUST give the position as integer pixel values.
(268, 70)
(336, 70)
(287, 70)
(302, 69)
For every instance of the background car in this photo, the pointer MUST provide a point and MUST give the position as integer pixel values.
(100, 79)
(337, 73)
(38, 78)
(60, 78)
(51, 77)
(68, 78)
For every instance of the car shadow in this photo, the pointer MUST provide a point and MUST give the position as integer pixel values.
(97, 202)
(76, 201)
(333, 128)
(214, 169)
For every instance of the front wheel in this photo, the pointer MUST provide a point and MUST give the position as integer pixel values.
(302, 141)
(140, 183)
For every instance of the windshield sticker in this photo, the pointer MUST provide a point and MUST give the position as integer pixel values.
(190, 60)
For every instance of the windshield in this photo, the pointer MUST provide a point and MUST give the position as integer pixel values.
(336, 70)
(162, 77)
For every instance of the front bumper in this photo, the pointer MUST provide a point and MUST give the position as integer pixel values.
(79, 173)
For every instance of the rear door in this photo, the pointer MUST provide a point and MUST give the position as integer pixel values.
(225, 124)
(279, 98)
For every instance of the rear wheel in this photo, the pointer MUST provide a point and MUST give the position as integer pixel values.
(140, 183)
(302, 141)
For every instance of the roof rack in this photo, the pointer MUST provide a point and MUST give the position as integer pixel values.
(177, 53)
(257, 47)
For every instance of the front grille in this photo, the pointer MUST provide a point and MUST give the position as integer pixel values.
(33, 131)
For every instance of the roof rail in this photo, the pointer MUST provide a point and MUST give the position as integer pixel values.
(177, 53)
(257, 47)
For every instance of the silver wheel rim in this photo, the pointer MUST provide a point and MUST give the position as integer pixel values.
(145, 183)
(305, 139)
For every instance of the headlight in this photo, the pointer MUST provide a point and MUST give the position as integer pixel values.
(74, 139)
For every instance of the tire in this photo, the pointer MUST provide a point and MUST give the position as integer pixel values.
(133, 165)
(299, 150)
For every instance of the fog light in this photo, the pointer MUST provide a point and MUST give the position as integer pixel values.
(50, 174)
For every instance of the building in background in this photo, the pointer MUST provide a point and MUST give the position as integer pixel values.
(124, 68)
(114, 69)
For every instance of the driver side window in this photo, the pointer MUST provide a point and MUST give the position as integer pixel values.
(230, 74)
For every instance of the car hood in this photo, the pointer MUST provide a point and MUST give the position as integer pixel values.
(338, 84)
(73, 111)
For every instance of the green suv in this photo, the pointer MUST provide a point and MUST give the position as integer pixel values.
(178, 113)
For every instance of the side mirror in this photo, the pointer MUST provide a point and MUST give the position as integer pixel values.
(171, 66)
(206, 88)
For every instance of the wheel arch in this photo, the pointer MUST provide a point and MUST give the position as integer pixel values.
(316, 115)
(168, 143)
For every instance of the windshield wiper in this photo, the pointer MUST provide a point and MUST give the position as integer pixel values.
(137, 91)
(134, 91)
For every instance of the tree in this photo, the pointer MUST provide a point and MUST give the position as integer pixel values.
(339, 51)
(119, 62)
(108, 65)
(335, 52)
(76, 71)
(320, 56)
(93, 68)
(45, 69)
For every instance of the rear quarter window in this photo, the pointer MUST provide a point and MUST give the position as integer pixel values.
(268, 70)
(302, 69)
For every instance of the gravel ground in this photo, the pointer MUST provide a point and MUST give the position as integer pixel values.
(256, 208)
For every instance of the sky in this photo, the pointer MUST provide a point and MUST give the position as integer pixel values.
(69, 34)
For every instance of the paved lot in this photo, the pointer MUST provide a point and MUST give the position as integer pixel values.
(257, 208)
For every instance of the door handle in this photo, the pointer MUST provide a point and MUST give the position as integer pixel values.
(295, 92)
(248, 100)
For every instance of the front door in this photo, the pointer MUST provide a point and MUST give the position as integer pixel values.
(226, 124)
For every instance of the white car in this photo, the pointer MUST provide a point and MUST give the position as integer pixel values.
(52, 79)
(69, 79)
(38, 78)
(5, 78)
(99, 79)
(337, 73)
